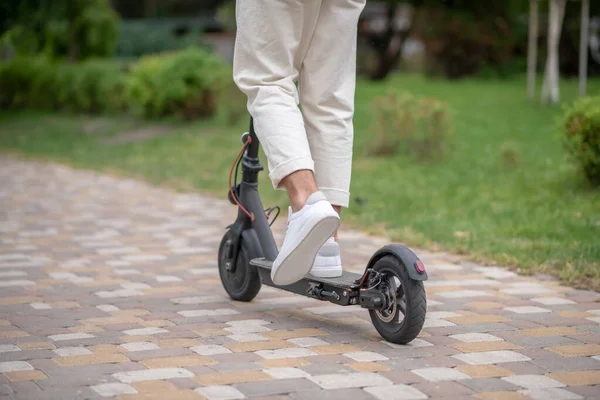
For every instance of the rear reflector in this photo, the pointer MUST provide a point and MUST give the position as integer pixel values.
(419, 266)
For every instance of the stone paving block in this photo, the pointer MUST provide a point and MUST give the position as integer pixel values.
(36, 346)
(181, 361)
(278, 386)
(491, 357)
(5, 390)
(105, 358)
(570, 364)
(71, 351)
(539, 354)
(179, 395)
(229, 378)
(577, 378)
(396, 392)
(475, 347)
(449, 390)
(233, 366)
(220, 393)
(350, 380)
(576, 350)
(155, 386)
(489, 384)
(533, 381)
(63, 393)
(5, 348)
(18, 376)
(292, 352)
(541, 341)
(475, 337)
(485, 371)
(354, 394)
(368, 367)
(286, 373)
(113, 389)
(12, 366)
(27, 355)
(587, 392)
(140, 346)
(550, 394)
(524, 368)
(326, 369)
(440, 374)
(502, 395)
(148, 354)
(152, 374)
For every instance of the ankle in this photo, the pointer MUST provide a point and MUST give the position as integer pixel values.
(299, 199)
(300, 185)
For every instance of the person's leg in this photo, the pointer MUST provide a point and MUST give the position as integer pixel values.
(272, 39)
(327, 85)
(270, 44)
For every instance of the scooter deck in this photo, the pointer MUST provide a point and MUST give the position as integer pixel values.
(348, 280)
(343, 291)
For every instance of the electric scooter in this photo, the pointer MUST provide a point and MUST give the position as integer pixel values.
(391, 287)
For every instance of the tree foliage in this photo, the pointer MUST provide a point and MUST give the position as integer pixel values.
(78, 29)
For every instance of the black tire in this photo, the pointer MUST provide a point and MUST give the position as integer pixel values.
(412, 294)
(244, 283)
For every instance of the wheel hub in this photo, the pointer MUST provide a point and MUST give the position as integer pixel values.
(389, 290)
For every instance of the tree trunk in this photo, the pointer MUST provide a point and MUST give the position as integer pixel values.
(73, 47)
(583, 46)
(532, 48)
(389, 46)
(550, 89)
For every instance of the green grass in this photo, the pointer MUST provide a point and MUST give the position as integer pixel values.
(537, 216)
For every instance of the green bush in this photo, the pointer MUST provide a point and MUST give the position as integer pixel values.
(16, 81)
(581, 136)
(93, 86)
(417, 127)
(184, 83)
(34, 82)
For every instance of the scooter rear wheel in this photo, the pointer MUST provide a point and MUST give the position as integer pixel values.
(402, 321)
(241, 280)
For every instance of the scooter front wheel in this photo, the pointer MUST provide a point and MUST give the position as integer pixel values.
(240, 279)
(404, 317)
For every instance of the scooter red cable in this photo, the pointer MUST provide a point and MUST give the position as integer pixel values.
(233, 196)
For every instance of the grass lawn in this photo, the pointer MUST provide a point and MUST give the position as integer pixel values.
(537, 215)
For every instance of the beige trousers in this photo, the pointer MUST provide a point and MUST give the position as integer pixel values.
(312, 43)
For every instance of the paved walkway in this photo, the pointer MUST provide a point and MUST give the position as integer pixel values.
(109, 288)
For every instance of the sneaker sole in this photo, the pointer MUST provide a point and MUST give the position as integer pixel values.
(297, 264)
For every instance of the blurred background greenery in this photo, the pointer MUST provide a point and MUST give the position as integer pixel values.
(450, 151)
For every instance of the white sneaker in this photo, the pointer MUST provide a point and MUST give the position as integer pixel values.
(328, 263)
(307, 230)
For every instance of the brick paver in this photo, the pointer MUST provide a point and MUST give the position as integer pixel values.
(109, 289)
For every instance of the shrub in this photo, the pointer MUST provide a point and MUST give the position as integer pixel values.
(581, 136)
(94, 86)
(418, 127)
(184, 83)
(90, 86)
(16, 81)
